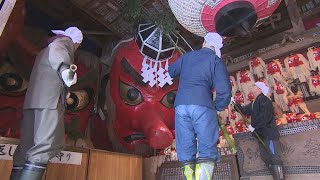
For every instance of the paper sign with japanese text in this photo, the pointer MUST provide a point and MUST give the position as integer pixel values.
(64, 157)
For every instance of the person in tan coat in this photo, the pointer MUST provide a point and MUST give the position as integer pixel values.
(42, 128)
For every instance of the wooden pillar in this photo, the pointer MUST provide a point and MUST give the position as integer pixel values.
(295, 17)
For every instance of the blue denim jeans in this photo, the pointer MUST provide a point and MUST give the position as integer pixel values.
(194, 121)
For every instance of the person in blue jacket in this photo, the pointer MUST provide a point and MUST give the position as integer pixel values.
(196, 120)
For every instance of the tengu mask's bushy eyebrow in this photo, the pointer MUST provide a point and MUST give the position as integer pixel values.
(127, 68)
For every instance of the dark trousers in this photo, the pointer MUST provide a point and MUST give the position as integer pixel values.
(273, 156)
(42, 136)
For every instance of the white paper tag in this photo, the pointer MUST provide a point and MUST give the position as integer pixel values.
(67, 157)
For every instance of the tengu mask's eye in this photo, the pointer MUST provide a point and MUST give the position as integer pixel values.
(11, 82)
(80, 99)
(130, 95)
(168, 99)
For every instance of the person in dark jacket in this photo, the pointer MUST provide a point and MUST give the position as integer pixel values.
(264, 124)
(195, 112)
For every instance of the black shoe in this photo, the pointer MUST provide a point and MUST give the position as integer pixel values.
(277, 172)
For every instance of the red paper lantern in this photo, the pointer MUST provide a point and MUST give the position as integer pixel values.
(227, 17)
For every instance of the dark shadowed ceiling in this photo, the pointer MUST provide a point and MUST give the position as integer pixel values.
(101, 20)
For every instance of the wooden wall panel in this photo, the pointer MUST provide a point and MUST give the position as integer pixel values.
(6, 165)
(95, 165)
(68, 172)
(106, 165)
(5, 169)
(54, 171)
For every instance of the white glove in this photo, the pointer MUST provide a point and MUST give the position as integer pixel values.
(251, 128)
(232, 100)
(65, 77)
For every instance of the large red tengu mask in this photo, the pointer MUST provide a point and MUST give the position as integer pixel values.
(140, 114)
(14, 72)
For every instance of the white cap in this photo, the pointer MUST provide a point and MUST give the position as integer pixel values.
(264, 88)
(73, 32)
(215, 40)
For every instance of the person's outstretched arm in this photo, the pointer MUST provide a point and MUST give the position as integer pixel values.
(175, 68)
(246, 110)
(221, 83)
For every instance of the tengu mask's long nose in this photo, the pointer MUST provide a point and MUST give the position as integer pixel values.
(156, 132)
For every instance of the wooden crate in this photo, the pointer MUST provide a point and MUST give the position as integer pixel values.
(107, 165)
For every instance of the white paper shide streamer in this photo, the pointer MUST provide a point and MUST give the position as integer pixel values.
(154, 69)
